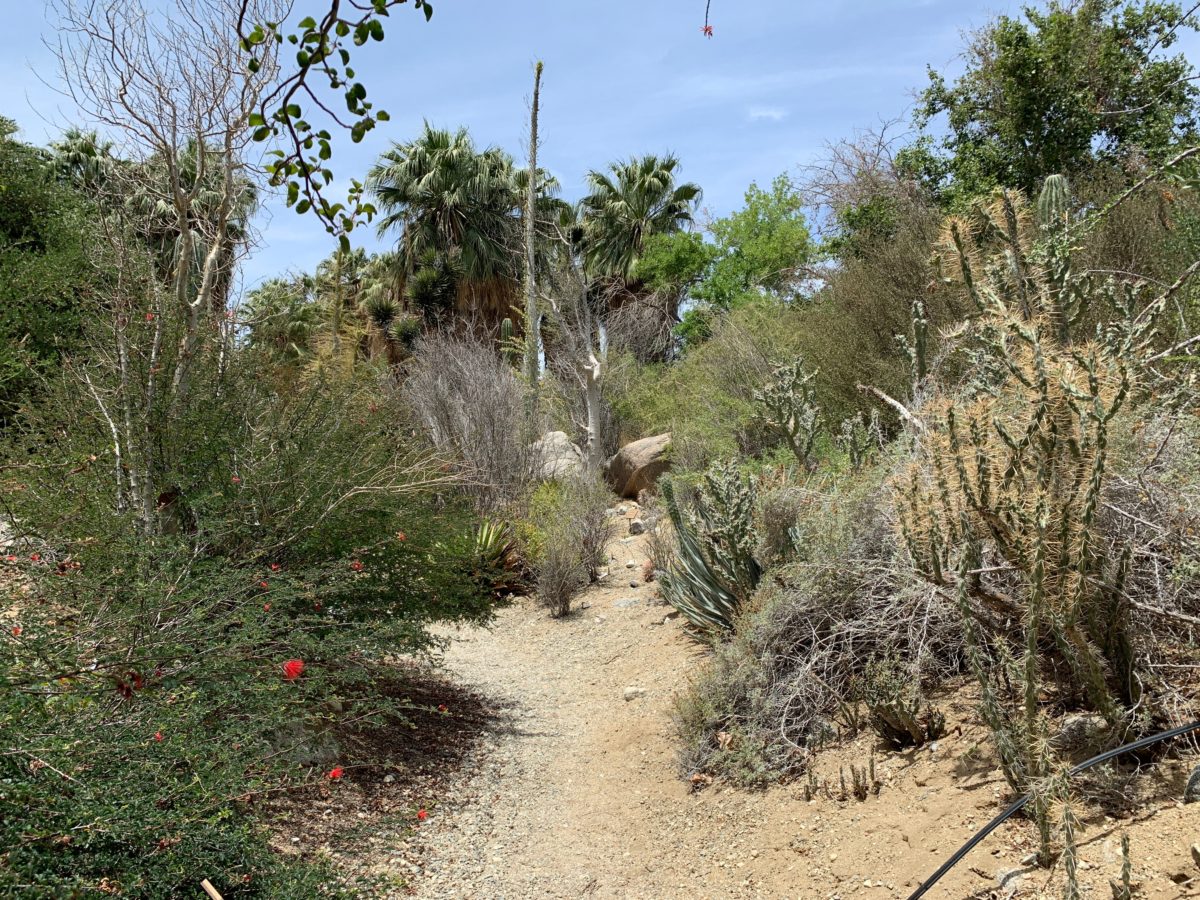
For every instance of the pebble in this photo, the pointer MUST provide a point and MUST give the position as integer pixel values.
(632, 693)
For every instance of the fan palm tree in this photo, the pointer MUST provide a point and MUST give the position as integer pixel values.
(442, 194)
(630, 202)
(282, 318)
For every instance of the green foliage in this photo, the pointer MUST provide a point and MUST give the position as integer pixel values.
(1055, 92)
(671, 263)
(763, 247)
(46, 278)
(285, 528)
(301, 162)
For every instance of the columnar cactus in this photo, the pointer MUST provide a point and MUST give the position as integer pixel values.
(509, 345)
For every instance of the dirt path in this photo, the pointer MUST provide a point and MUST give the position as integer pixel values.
(578, 794)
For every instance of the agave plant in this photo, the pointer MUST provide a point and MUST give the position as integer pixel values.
(498, 559)
(706, 582)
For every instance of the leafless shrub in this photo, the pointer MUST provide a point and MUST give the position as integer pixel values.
(469, 403)
(811, 631)
(560, 573)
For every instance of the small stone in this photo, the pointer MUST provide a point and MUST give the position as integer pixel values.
(632, 693)
(631, 564)
(637, 526)
(626, 602)
(633, 584)
(389, 779)
(1196, 855)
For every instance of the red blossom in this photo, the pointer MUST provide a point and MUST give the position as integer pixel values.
(707, 30)
(36, 557)
(422, 815)
(357, 566)
(16, 630)
(292, 669)
(335, 773)
(263, 585)
(275, 567)
(236, 480)
(266, 607)
(158, 736)
(442, 708)
(149, 317)
(401, 536)
(10, 558)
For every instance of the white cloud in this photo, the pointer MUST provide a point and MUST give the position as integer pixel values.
(766, 114)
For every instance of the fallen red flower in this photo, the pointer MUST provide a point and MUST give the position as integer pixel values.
(356, 566)
(422, 815)
(36, 557)
(266, 607)
(335, 773)
(158, 736)
(263, 585)
(10, 558)
(401, 536)
(149, 317)
(16, 630)
(442, 708)
(292, 669)
(236, 480)
(274, 567)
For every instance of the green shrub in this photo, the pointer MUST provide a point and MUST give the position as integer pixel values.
(145, 696)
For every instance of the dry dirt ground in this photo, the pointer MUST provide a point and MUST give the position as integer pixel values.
(575, 790)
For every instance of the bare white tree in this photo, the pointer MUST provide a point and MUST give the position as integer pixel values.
(171, 85)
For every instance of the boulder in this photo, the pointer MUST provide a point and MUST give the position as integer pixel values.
(557, 457)
(636, 466)
(637, 526)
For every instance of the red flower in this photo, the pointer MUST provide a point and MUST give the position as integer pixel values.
(10, 558)
(158, 736)
(401, 536)
(236, 480)
(335, 773)
(707, 29)
(263, 585)
(137, 680)
(317, 606)
(292, 669)
(357, 566)
(274, 567)
(422, 815)
(16, 630)
(149, 317)
(442, 708)
(266, 607)
(36, 557)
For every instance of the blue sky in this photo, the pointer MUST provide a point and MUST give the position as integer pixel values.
(778, 81)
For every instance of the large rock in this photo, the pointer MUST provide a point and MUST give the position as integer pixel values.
(557, 457)
(636, 466)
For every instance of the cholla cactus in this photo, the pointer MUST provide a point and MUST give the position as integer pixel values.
(860, 439)
(789, 406)
(1001, 506)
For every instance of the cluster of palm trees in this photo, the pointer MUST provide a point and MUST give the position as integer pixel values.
(456, 213)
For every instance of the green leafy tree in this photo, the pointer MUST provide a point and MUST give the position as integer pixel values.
(1054, 92)
(45, 276)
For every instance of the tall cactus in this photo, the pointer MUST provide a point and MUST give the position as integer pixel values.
(1052, 204)
(509, 345)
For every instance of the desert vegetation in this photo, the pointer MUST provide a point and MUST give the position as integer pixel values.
(918, 421)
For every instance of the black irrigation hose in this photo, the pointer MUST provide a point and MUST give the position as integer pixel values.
(1021, 801)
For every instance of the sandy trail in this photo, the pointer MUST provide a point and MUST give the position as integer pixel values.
(578, 792)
